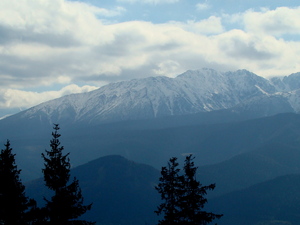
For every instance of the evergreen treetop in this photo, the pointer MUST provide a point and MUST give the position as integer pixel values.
(66, 205)
(183, 196)
(57, 166)
(13, 202)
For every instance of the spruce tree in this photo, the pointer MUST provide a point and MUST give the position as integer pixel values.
(66, 205)
(14, 205)
(170, 188)
(183, 196)
(193, 198)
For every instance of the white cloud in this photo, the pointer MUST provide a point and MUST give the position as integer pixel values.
(12, 98)
(280, 21)
(43, 43)
(265, 55)
(212, 25)
(154, 2)
(203, 6)
(168, 68)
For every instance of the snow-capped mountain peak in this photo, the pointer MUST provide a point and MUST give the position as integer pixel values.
(191, 92)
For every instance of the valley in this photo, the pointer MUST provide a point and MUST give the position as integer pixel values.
(245, 139)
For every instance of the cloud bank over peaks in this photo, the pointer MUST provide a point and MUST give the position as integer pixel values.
(13, 98)
(43, 43)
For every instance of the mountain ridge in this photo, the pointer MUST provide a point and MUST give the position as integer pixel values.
(191, 92)
(122, 192)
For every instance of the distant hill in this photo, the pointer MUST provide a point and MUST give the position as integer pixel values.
(154, 145)
(122, 191)
(244, 170)
(273, 202)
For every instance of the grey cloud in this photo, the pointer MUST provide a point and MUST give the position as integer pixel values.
(169, 46)
(7, 35)
(10, 35)
(52, 40)
(127, 74)
(238, 48)
(121, 45)
(16, 71)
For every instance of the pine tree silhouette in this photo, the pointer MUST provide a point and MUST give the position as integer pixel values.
(14, 205)
(193, 198)
(170, 188)
(183, 196)
(66, 205)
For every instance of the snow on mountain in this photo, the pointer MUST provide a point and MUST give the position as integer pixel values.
(287, 83)
(294, 99)
(191, 92)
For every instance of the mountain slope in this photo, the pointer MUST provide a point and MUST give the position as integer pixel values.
(191, 92)
(265, 163)
(122, 191)
(211, 143)
(271, 202)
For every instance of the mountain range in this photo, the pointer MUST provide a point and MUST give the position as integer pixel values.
(143, 118)
(122, 192)
(243, 129)
(191, 92)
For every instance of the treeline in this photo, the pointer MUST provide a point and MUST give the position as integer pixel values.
(63, 208)
(183, 197)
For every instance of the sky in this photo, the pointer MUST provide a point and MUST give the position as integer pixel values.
(51, 48)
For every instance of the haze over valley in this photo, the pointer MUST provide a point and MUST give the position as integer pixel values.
(242, 129)
(132, 84)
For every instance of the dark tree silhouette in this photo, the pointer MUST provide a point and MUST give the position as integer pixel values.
(183, 196)
(170, 188)
(66, 205)
(193, 199)
(14, 205)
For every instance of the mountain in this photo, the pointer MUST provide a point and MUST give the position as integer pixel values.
(198, 111)
(122, 191)
(272, 202)
(244, 170)
(287, 83)
(153, 144)
(191, 92)
(229, 121)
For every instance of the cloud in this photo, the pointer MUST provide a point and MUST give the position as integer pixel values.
(43, 43)
(278, 22)
(212, 25)
(265, 55)
(241, 45)
(54, 23)
(12, 98)
(154, 2)
(203, 6)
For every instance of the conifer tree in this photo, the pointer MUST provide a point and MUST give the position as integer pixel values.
(14, 205)
(193, 198)
(183, 196)
(170, 188)
(66, 205)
